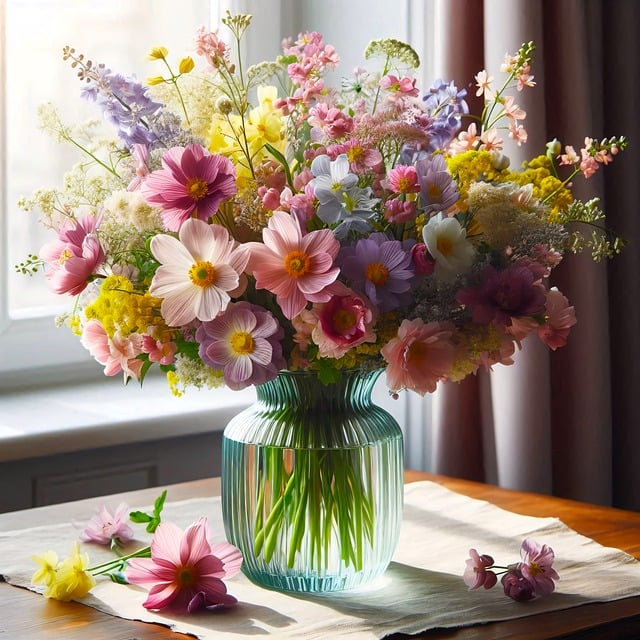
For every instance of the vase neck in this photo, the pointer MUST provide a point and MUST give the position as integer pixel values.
(304, 390)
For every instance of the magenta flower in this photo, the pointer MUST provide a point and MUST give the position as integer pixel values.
(419, 356)
(74, 256)
(192, 182)
(296, 268)
(516, 586)
(106, 526)
(536, 566)
(477, 573)
(502, 295)
(381, 269)
(185, 572)
(344, 322)
(245, 342)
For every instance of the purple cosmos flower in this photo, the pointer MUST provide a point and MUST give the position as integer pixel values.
(536, 566)
(245, 342)
(438, 190)
(192, 181)
(381, 268)
(502, 295)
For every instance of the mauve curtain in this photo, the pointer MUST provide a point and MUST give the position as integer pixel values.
(562, 422)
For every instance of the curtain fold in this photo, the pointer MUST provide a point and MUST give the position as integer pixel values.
(560, 422)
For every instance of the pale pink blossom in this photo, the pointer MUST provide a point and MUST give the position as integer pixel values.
(525, 79)
(536, 566)
(512, 110)
(483, 82)
(140, 155)
(399, 89)
(477, 572)
(491, 140)
(159, 351)
(117, 354)
(518, 133)
(184, 571)
(560, 318)
(74, 256)
(466, 140)
(106, 527)
(198, 273)
(569, 156)
(297, 268)
(419, 356)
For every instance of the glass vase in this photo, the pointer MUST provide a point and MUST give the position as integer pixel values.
(312, 483)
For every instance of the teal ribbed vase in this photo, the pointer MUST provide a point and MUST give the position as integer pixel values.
(312, 483)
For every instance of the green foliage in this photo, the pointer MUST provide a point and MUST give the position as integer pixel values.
(151, 519)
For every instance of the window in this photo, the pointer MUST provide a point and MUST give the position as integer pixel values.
(32, 71)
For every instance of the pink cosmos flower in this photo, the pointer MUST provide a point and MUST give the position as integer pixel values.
(402, 179)
(192, 182)
(116, 354)
(185, 572)
(477, 572)
(296, 268)
(344, 322)
(560, 318)
(419, 356)
(536, 566)
(199, 272)
(106, 526)
(74, 256)
(245, 342)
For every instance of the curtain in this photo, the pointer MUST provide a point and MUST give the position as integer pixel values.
(563, 422)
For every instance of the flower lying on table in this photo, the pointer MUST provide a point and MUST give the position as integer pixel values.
(532, 577)
(183, 569)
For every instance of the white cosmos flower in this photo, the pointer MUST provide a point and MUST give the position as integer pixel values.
(198, 272)
(447, 243)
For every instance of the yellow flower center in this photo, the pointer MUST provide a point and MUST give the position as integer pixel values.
(445, 246)
(355, 154)
(435, 193)
(343, 320)
(376, 273)
(64, 256)
(202, 274)
(404, 184)
(242, 342)
(296, 263)
(197, 188)
(535, 569)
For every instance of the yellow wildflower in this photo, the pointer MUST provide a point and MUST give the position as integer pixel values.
(46, 574)
(186, 65)
(158, 53)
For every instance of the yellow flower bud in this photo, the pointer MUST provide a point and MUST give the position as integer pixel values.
(155, 80)
(186, 65)
(158, 53)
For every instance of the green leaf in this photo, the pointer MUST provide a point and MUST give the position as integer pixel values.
(139, 517)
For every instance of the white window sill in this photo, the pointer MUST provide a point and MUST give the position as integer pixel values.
(53, 420)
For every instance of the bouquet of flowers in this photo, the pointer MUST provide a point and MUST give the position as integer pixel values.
(242, 221)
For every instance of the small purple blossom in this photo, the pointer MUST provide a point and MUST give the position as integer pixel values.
(438, 190)
(381, 268)
(516, 586)
(106, 527)
(477, 573)
(536, 566)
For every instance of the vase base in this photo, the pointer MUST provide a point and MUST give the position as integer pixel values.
(313, 584)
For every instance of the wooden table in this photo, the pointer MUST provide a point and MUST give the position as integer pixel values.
(27, 616)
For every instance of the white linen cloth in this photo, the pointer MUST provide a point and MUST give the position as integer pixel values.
(422, 589)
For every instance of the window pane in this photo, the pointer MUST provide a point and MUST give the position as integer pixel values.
(116, 33)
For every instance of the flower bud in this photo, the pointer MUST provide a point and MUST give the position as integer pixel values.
(158, 53)
(186, 65)
(224, 105)
(155, 80)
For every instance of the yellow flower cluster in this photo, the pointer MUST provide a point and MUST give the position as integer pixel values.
(122, 309)
(264, 125)
(66, 580)
(546, 186)
(472, 166)
(474, 341)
